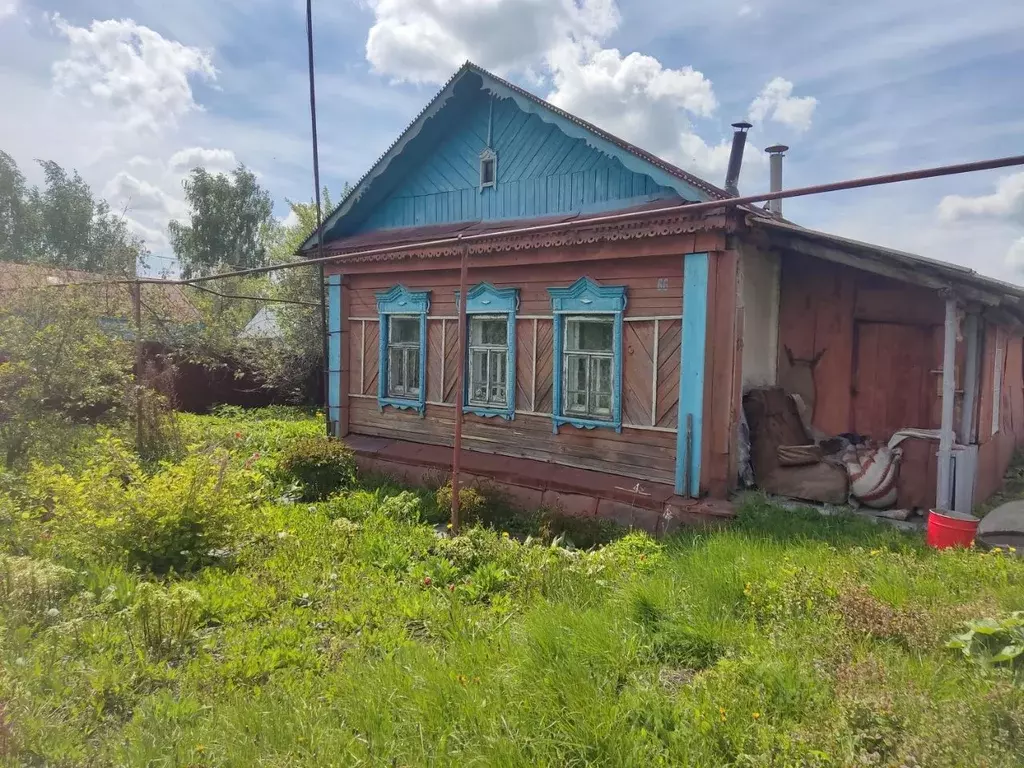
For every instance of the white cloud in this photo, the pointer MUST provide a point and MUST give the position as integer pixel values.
(8, 8)
(214, 160)
(422, 41)
(777, 102)
(1007, 202)
(134, 195)
(132, 70)
(632, 95)
(637, 98)
(1015, 256)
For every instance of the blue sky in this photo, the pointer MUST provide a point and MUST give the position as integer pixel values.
(132, 92)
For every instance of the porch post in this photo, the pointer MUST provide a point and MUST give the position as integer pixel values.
(944, 488)
(693, 340)
(333, 363)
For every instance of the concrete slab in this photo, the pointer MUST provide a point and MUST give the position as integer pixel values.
(1003, 527)
(1006, 518)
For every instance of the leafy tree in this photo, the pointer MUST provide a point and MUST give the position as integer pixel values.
(15, 220)
(289, 362)
(58, 368)
(231, 223)
(62, 224)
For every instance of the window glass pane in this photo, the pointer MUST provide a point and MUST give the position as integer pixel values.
(404, 330)
(603, 378)
(478, 376)
(490, 331)
(590, 335)
(497, 367)
(396, 371)
(412, 370)
(602, 405)
(577, 372)
(486, 171)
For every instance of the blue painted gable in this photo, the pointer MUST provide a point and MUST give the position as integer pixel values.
(548, 162)
(540, 171)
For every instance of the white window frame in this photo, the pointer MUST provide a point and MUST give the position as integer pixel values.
(593, 359)
(492, 353)
(410, 358)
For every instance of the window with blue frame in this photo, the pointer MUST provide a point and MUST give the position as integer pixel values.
(401, 382)
(491, 350)
(588, 354)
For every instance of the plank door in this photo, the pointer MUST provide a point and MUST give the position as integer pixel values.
(894, 384)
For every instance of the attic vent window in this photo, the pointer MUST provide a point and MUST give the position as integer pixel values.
(488, 168)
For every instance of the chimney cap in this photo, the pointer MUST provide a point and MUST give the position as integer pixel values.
(742, 126)
(776, 149)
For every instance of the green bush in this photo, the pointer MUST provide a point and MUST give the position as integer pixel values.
(321, 466)
(180, 518)
(995, 642)
(162, 621)
(472, 503)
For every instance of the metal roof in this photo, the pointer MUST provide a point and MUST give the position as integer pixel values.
(917, 268)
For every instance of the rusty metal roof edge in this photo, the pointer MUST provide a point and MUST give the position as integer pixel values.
(950, 270)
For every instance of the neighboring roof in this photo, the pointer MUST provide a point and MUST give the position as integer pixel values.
(167, 302)
(264, 325)
(904, 266)
(496, 84)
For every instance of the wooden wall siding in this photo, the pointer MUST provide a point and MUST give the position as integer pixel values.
(722, 370)
(540, 171)
(643, 450)
(823, 310)
(668, 373)
(637, 372)
(997, 449)
(437, 348)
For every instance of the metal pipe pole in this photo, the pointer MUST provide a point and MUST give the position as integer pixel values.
(870, 181)
(944, 489)
(137, 312)
(460, 392)
(319, 218)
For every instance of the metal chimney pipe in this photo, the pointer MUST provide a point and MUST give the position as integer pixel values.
(732, 175)
(775, 155)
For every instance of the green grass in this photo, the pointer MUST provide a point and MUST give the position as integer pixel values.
(347, 633)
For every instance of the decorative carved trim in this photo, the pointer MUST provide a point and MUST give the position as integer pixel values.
(584, 234)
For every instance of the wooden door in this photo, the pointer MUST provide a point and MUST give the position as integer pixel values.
(894, 379)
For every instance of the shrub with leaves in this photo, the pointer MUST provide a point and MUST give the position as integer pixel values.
(472, 503)
(32, 587)
(180, 518)
(997, 642)
(162, 620)
(321, 466)
(59, 367)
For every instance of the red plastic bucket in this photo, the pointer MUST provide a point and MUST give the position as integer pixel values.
(951, 529)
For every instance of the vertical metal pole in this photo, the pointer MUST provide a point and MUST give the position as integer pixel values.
(972, 326)
(944, 484)
(137, 311)
(460, 392)
(319, 214)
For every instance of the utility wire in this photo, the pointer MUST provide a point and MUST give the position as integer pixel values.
(254, 298)
(858, 183)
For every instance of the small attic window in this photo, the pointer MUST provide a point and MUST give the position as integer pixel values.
(488, 168)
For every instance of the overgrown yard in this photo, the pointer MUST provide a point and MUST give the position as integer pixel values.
(208, 611)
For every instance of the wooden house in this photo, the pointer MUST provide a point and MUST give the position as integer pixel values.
(612, 333)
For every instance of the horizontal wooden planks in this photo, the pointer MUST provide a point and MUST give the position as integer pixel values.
(654, 289)
(644, 455)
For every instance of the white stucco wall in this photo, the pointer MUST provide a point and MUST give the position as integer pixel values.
(760, 296)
